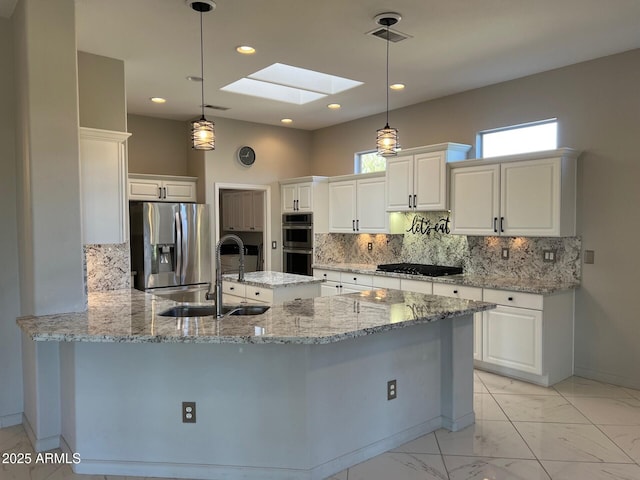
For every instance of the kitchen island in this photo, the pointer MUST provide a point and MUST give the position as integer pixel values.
(299, 392)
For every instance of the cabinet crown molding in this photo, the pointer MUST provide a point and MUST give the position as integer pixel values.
(438, 147)
(98, 134)
(162, 177)
(356, 176)
(313, 178)
(557, 153)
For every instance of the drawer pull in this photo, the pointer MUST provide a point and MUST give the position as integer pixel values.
(510, 299)
(455, 291)
(324, 275)
(232, 288)
(257, 293)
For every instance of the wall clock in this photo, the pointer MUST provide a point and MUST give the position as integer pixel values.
(246, 156)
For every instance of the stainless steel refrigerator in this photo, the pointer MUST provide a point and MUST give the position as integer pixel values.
(171, 249)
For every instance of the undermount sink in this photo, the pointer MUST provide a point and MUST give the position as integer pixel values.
(210, 310)
(248, 310)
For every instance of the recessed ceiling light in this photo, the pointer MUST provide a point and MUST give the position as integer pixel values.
(334, 106)
(397, 86)
(158, 100)
(194, 78)
(246, 50)
(286, 120)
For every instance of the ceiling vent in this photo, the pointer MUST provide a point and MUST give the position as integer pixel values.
(216, 107)
(394, 35)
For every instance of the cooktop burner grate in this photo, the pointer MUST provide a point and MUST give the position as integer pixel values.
(419, 269)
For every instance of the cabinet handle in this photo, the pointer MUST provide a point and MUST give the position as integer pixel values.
(257, 293)
(164, 189)
(353, 225)
(355, 279)
(455, 291)
(409, 201)
(324, 275)
(160, 192)
(502, 224)
(510, 299)
(415, 201)
(495, 224)
(232, 288)
(357, 225)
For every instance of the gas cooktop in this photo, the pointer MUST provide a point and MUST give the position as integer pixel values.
(419, 269)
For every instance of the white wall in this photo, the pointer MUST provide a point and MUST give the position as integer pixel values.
(10, 356)
(598, 108)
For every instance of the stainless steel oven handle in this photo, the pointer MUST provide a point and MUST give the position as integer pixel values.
(297, 250)
(297, 227)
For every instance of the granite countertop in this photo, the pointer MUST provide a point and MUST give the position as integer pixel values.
(132, 316)
(515, 284)
(268, 279)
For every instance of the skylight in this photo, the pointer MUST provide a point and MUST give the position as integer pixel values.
(289, 84)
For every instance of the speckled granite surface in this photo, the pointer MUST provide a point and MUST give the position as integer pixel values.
(132, 316)
(269, 279)
(515, 284)
(107, 267)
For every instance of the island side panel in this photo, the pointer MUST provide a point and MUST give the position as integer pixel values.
(350, 418)
(250, 410)
(457, 373)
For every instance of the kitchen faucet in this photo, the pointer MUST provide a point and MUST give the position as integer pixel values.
(218, 286)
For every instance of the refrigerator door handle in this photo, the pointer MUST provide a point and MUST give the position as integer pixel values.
(179, 259)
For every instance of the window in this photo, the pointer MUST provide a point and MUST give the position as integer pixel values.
(369, 161)
(528, 137)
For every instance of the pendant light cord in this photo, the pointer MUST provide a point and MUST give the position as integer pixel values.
(202, 67)
(387, 85)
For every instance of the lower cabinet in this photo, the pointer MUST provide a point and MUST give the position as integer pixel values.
(528, 336)
(234, 293)
(338, 283)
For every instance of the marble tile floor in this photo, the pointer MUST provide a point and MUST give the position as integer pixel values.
(577, 430)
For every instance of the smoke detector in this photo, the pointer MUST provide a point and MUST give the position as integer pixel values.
(202, 6)
(386, 21)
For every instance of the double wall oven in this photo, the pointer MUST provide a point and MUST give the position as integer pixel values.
(297, 243)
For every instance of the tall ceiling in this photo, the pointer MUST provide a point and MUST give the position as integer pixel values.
(454, 45)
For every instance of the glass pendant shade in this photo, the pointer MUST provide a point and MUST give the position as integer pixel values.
(202, 135)
(387, 141)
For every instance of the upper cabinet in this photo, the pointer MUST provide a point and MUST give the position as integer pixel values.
(530, 194)
(243, 211)
(103, 170)
(357, 204)
(307, 194)
(162, 188)
(417, 179)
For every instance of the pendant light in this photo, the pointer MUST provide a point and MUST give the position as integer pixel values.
(387, 138)
(203, 136)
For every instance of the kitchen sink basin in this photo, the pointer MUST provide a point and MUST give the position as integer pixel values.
(248, 310)
(210, 310)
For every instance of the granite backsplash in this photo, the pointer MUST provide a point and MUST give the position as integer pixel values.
(428, 242)
(107, 267)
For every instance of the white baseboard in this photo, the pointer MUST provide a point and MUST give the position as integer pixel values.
(40, 444)
(605, 377)
(10, 420)
(228, 472)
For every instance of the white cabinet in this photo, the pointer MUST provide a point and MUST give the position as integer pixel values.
(234, 293)
(162, 188)
(528, 336)
(357, 204)
(417, 179)
(243, 211)
(103, 170)
(468, 293)
(307, 194)
(337, 283)
(519, 195)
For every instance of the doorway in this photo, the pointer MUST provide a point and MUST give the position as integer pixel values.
(244, 210)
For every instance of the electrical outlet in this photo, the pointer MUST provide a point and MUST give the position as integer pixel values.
(274, 245)
(392, 391)
(549, 256)
(369, 246)
(505, 253)
(589, 256)
(188, 412)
